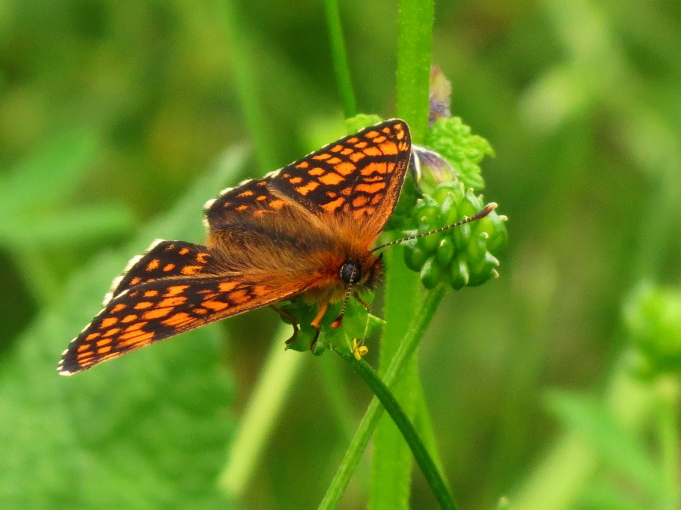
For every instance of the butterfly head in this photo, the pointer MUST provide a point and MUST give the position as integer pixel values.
(361, 273)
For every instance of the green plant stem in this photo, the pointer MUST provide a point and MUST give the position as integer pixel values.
(246, 83)
(265, 404)
(391, 464)
(391, 460)
(423, 459)
(414, 56)
(339, 58)
(341, 479)
(667, 430)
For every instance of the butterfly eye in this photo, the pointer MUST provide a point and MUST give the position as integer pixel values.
(351, 272)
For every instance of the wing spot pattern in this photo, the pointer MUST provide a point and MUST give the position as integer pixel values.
(330, 179)
(157, 313)
(307, 188)
(389, 148)
(108, 322)
(360, 201)
(215, 305)
(174, 290)
(371, 188)
(226, 286)
(153, 264)
(178, 320)
(332, 206)
(345, 168)
(172, 301)
(239, 297)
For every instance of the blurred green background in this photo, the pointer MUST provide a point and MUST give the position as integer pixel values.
(118, 119)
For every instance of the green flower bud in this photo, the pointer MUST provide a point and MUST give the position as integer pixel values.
(431, 273)
(445, 251)
(414, 257)
(652, 316)
(459, 275)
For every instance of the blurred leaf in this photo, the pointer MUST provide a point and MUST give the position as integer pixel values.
(616, 445)
(149, 430)
(49, 173)
(75, 225)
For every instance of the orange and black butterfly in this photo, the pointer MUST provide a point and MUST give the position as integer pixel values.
(305, 230)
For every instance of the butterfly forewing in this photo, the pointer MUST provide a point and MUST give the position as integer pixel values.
(159, 309)
(356, 179)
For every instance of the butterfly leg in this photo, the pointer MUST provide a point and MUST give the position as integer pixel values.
(362, 302)
(315, 323)
(291, 318)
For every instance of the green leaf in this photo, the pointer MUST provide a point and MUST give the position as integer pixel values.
(49, 173)
(148, 430)
(615, 444)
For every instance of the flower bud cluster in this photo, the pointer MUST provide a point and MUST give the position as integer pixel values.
(459, 256)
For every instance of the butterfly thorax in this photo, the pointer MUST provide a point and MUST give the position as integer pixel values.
(325, 262)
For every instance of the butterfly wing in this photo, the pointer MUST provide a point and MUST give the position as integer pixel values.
(163, 259)
(356, 181)
(158, 309)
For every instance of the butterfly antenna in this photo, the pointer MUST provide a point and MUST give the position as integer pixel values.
(339, 320)
(477, 216)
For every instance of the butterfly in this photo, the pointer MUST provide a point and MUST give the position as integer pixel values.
(306, 230)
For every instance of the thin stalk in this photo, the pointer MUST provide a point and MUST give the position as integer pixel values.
(246, 83)
(264, 407)
(667, 431)
(339, 58)
(414, 56)
(423, 459)
(415, 332)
